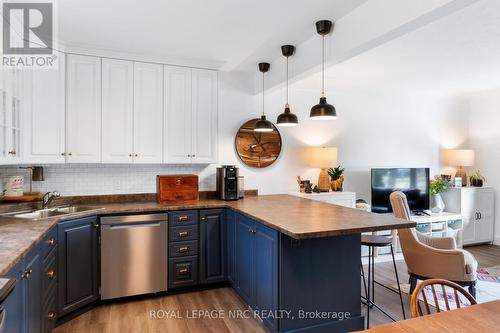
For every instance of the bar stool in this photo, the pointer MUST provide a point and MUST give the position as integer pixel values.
(372, 242)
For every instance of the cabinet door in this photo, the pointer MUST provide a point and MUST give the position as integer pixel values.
(266, 272)
(177, 115)
(244, 259)
(485, 219)
(32, 288)
(204, 116)
(83, 109)
(78, 245)
(10, 117)
(14, 303)
(212, 246)
(117, 107)
(230, 223)
(469, 231)
(44, 115)
(148, 113)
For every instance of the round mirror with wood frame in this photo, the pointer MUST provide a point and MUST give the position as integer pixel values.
(257, 149)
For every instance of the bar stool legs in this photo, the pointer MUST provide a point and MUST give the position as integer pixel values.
(369, 287)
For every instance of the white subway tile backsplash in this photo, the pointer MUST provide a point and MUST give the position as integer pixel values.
(92, 179)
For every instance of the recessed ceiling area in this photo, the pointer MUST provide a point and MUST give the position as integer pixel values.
(223, 34)
(456, 54)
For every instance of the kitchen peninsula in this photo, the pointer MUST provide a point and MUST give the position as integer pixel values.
(280, 252)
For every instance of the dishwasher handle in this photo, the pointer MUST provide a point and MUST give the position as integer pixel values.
(134, 219)
(133, 225)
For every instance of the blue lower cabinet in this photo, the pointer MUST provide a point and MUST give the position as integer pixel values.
(244, 254)
(212, 246)
(78, 264)
(13, 305)
(32, 292)
(266, 273)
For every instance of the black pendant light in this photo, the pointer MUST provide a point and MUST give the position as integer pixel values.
(287, 118)
(323, 110)
(263, 125)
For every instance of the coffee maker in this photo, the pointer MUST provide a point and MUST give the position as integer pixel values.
(227, 182)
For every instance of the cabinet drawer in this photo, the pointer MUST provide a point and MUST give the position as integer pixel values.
(183, 249)
(49, 316)
(49, 242)
(189, 232)
(181, 218)
(182, 271)
(49, 274)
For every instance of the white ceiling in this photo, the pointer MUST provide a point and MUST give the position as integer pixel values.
(457, 54)
(226, 34)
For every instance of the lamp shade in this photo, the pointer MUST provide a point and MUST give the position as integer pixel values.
(459, 157)
(323, 157)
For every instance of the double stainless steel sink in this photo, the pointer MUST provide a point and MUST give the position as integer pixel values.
(48, 212)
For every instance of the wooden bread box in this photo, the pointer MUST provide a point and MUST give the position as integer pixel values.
(176, 187)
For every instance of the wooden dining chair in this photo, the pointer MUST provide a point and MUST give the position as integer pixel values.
(435, 285)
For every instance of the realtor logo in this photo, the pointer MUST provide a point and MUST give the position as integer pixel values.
(27, 34)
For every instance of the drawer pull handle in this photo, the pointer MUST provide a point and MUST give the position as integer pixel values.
(183, 249)
(51, 241)
(51, 315)
(183, 234)
(183, 270)
(51, 274)
(183, 218)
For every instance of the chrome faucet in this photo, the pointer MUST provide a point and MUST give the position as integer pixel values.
(48, 197)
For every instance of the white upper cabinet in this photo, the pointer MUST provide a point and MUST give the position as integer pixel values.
(117, 110)
(190, 117)
(177, 117)
(204, 116)
(44, 116)
(83, 109)
(10, 116)
(148, 113)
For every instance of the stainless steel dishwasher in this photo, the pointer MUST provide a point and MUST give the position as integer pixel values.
(133, 255)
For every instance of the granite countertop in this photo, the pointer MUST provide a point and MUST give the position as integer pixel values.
(293, 216)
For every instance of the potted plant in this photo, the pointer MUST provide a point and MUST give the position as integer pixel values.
(477, 180)
(437, 185)
(337, 178)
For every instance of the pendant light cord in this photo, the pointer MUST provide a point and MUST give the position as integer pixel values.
(323, 68)
(263, 94)
(287, 81)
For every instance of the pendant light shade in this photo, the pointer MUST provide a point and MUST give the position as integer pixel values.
(323, 110)
(263, 125)
(287, 118)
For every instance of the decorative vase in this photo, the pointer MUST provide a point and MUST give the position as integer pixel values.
(437, 203)
(336, 184)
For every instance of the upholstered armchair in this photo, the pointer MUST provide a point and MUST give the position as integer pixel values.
(432, 257)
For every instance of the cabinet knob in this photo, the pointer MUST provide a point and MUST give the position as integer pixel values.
(12, 152)
(27, 273)
(183, 249)
(51, 274)
(63, 154)
(96, 226)
(51, 242)
(189, 155)
(183, 218)
(183, 234)
(203, 218)
(129, 155)
(194, 155)
(183, 270)
(70, 154)
(51, 315)
(136, 155)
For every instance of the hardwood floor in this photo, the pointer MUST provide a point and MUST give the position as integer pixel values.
(136, 316)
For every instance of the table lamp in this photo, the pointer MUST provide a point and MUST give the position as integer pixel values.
(323, 158)
(460, 158)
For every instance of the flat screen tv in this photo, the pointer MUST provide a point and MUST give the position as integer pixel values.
(414, 182)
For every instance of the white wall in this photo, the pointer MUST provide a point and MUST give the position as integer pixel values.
(485, 140)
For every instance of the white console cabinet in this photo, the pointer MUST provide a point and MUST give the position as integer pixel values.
(477, 207)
